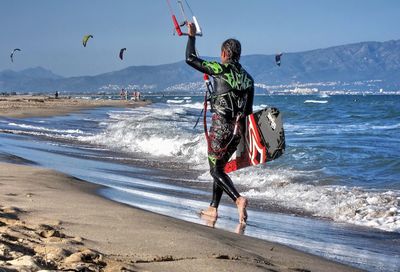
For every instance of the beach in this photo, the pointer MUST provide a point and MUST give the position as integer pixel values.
(53, 221)
(20, 106)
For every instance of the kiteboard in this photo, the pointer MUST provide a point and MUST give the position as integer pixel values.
(262, 140)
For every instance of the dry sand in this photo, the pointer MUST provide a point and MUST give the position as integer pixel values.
(20, 106)
(55, 222)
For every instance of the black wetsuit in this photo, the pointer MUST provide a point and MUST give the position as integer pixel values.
(232, 96)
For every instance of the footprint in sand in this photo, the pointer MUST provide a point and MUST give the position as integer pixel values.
(11, 194)
(47, 231)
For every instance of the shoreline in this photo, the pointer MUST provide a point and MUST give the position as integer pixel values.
(116, 235)
(25, 106)
(100, 235)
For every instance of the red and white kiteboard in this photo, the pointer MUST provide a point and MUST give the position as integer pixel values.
(263, 140)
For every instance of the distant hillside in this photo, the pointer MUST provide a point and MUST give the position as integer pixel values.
(354, 62)
(27, 79)
(360, 66)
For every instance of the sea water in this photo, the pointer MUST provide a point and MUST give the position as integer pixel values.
(340, 170)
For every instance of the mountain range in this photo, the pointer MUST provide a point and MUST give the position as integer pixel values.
(369, 66)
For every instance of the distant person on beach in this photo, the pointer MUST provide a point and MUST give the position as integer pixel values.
(56, 95)
(231, 101)
(121, 94)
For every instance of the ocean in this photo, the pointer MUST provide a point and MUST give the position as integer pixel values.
(335, 192)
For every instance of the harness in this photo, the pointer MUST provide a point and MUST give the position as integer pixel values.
(205, 107)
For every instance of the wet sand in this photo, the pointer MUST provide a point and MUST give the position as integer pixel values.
(20, 106)
(51, 221)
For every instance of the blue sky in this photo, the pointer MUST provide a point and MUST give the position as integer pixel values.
(49, 32)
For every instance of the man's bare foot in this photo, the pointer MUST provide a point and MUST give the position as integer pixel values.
(210, 222)
(241, 204)
(211, 213)
(240, 228)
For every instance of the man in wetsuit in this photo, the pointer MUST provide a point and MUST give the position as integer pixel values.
(231, 101)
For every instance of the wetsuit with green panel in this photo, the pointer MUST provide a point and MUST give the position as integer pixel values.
(232, 96)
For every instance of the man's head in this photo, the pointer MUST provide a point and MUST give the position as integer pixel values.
(230, 50)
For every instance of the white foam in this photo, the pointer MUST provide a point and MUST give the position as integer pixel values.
(175, 101)
(378, 209)
(387, 127)
(158, 130)
(70, 131)
(316, 101)
(324, 95)
(197, 105)
(259, 107)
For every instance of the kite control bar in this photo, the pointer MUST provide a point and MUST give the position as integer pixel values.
(177, 30)
(177, 25)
